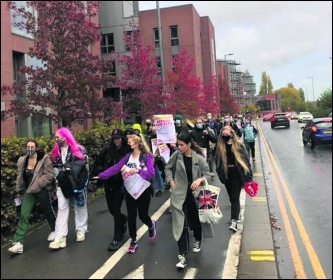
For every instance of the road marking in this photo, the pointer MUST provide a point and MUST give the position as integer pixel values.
(259, 198)
(257, 174)
(230, 268)
(262, 255)
(190, 273)
(318, 270)
(136, 274)
(115, 258)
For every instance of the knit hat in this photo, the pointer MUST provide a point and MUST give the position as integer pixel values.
(129, 131)
(137, 127)
(178, 117)
(116, 133)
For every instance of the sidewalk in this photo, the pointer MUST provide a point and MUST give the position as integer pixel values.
(257, 256)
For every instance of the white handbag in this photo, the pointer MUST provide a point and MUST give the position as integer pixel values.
(209, 211)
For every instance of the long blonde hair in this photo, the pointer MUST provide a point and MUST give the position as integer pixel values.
(142, 144)
(221, 152)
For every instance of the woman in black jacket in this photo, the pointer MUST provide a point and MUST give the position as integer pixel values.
(114, 192)
(233, 168)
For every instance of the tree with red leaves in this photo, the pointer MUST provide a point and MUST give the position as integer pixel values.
(139, 76)
(209, 100)
(184, 90)
(67, 83)
(227, 100)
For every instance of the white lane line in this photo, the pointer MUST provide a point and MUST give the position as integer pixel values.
(190, 273)
(115, 258)
(230, 268)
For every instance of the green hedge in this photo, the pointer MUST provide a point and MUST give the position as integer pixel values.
(12, 148)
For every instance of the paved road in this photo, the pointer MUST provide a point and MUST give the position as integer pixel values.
(245, 254)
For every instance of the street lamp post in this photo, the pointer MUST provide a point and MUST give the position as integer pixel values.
(312, 88)
(306, 90)
(225, 56)
(160, 42)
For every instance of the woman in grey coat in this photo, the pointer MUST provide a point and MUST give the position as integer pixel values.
(185, 172)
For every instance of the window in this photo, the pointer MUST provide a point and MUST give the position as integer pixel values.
(17, 19)
(128, 9)
(128, 33)
(18, 61)
(174, 35)
(107, 44)
(41, 126)
(158, 60)
(156, 38)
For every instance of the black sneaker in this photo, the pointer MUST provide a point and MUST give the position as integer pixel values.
(196, 246)
(115, 245)
(233, 225)
(152, 231)
(158, 193)
(182, 261)
(133, 247)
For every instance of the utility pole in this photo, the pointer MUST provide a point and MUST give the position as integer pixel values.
(160, 41)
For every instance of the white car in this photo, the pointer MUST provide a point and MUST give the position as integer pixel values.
(304, 117)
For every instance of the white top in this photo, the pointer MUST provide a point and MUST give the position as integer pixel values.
(64, 151)
(133, 163)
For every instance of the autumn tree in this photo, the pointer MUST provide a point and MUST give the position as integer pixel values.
(266, 86)
(68, 80)
(227, 100)
(208, 100)
(183, 88)
(139, 76)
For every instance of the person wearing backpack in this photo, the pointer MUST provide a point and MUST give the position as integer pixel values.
(250, 133)
(140, 161)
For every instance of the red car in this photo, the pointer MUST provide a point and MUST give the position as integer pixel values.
(267, 117)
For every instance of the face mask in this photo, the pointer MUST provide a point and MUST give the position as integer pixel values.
(30, 152)
(209, 117)
(226, 138)
(60, 142)
(199, 125)
(148, 124)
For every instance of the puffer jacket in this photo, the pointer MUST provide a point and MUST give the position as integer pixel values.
(43, 174)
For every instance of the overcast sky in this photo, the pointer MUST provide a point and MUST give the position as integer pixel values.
(289, 40)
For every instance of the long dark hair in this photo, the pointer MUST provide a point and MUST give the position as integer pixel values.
(187, 138)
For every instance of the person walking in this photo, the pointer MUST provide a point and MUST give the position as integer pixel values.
(204, 137)
(114, 186)
(185, 172)
(66, 149)
(249, 134)
(34, 181)
(233, 168)
(145, 168)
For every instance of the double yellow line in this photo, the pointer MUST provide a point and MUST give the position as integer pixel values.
(297, 262)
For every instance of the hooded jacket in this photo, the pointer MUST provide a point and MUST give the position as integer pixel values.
(43, 173)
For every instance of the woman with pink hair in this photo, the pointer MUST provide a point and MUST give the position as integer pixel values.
(66, 149)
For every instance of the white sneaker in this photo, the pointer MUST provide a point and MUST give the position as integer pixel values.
(17, 248)
(58, 243)
(182, 261)
(51, 236)
(80, 236)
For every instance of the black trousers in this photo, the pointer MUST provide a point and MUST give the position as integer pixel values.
(114, 199)
(234, 186)
(141, 206)
(190, 210)
(250, 146)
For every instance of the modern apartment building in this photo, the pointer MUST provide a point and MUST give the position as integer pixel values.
(182, 27)
(15, 44)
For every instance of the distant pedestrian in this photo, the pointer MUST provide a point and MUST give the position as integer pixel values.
(233, 168)
(34, 180)
(141, 204)
(185, 172)
(67, 150)
(249, 136)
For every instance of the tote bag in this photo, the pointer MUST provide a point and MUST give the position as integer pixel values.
(209, 211)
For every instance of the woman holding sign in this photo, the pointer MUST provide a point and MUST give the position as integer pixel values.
(185, 172)
(139, 161)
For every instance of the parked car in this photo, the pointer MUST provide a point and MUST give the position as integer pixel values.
(280, 119)
(317, 132)
(267, 117)
(294, 116)
(304, 117)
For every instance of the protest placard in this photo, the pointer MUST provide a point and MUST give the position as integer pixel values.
(165, 129)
